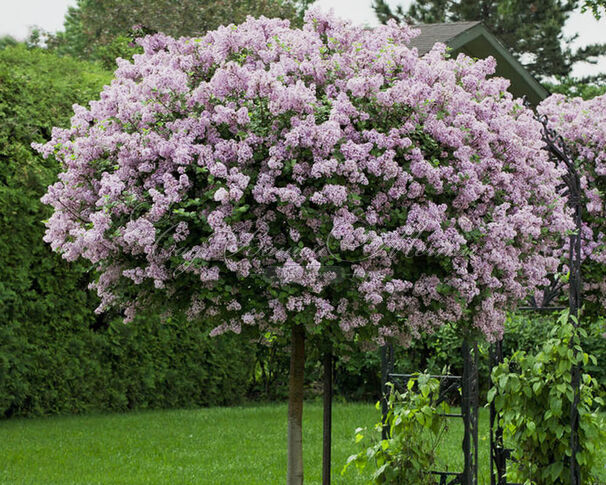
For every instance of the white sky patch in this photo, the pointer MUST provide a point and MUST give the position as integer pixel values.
(358, 11)
(591, 31)
(17, 17)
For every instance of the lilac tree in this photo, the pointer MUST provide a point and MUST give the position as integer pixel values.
(582, 124)
(305, 180)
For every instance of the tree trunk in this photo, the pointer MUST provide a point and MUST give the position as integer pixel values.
(295, 407)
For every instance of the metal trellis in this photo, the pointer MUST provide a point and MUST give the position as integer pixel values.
(556, 147)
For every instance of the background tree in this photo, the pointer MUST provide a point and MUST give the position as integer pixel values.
(572, 87)
(291, 180)
(532, 31)
(92, 25)
(7, 41)
(597, 7)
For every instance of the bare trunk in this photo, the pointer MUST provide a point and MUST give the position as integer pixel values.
(295, 407)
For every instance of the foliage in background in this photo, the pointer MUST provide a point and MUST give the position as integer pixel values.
(573, 87)
(415, 432)
(533, 393)
(269, 378)
(37, 289)
(532, 31)
(92, 27)
(8, 41)
(597, 7)
(68, 368)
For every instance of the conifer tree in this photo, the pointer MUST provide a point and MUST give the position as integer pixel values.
(532, 31)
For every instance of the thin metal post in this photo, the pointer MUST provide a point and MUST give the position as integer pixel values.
(327, 425)
(498, 454)
(469, 409)
(386, 369)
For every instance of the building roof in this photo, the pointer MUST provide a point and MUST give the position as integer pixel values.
(432, 33)
(475, 40)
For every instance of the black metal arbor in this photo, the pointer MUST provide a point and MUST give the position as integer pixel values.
(468, 382)
(572, 184)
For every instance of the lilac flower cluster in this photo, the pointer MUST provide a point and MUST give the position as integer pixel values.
(583, 126)
(263, 175)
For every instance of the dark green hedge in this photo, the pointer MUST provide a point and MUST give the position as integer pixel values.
(56, 356)
(45, 369)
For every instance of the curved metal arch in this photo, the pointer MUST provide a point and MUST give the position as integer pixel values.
(558, 151)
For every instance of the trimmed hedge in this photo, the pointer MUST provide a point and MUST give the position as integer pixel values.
(56, 355)
(47, 369)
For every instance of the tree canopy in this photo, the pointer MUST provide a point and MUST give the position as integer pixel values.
(597, 7)
(572, 87)
(210, 162)
(532, 31)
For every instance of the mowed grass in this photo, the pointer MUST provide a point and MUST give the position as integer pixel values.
(227, 446)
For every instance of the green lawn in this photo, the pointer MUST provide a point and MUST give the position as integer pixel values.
(231, 446)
